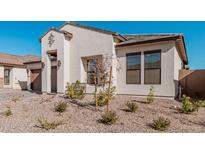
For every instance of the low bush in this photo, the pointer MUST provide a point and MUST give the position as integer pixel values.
(45, 124)
(102, 96)
(161, 124)
(109, 118)
(61, 107)
(151, 97)
(201, 103)
(75, 91)
(132, 106)
(188, 106)
(8, 112)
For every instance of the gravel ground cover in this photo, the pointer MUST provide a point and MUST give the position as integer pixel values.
(81, 117)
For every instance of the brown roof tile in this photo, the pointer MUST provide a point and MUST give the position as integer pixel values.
(95, 29)
(9, 59)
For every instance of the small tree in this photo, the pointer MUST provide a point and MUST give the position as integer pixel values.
(75, 91)
(102, 96)
(102, 77)
(99, 77)
(109, 88)
(150, 97)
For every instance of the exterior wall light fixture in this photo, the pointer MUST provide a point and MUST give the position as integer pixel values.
(42, 65)
(59, 63)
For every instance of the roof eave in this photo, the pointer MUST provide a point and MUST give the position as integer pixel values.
(12, 65)
(183, 47)
(147, 41)
(120, 37)
(58, 31)
(30, 62)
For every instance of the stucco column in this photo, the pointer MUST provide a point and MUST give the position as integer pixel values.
(48, 75)
(60, 72)
(28, 79)
(1, 77)
(82, 72)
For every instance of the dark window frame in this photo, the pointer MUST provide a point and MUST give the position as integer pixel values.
(131, 54)
(90, 72)
(9, 76)
(151, 52)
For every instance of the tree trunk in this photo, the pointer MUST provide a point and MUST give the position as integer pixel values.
(109, 86)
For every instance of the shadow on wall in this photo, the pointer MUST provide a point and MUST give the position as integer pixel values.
(23, 85)
(193, 83)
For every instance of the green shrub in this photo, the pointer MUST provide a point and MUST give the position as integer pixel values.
(161, 124)
(109, 118)
(75, 91)
(132, 106)
(61, 107)
(102, 96)
(151, 97)
(201, 103)
(8, 112)
(45, 124)
(188, 106)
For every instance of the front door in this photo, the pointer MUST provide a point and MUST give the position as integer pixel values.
(54, 79)
(7, 76)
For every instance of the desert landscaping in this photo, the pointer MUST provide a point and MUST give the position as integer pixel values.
(27, 112)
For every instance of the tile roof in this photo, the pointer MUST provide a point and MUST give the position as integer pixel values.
(134, 38)
(94, 29)
(9, 59)
(91, 28)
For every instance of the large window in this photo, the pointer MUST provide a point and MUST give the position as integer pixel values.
(91, 71)
(152, 67)
(7, 76)
(133, 71)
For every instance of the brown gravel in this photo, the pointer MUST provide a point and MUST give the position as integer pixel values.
(81, 116)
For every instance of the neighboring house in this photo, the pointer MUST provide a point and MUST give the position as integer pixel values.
(68, 54)
(13, 72)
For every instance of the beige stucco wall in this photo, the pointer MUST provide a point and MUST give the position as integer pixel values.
(1, 77)
(87, 43)
(178, 65)
(19, 78)
(1, 71)
(167, 86)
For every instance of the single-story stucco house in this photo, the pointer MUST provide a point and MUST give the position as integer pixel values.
(13, 72)
(67, 55)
